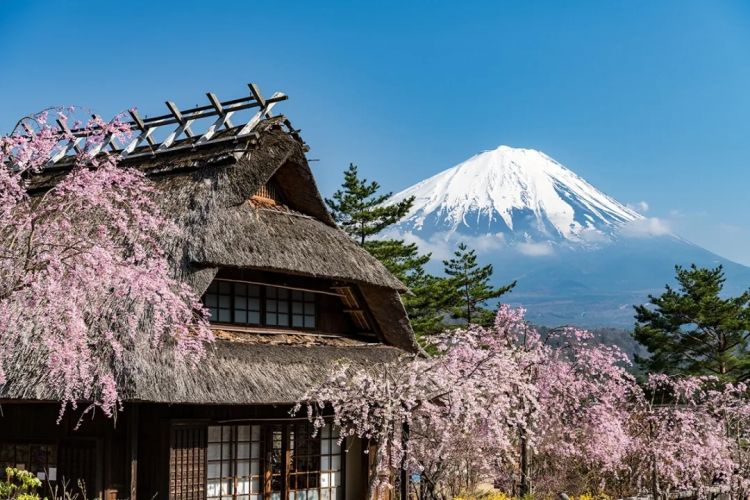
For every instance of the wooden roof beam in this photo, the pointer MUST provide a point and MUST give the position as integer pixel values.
(74, 143)
(145, 134)
(222, 121)
(182, 128)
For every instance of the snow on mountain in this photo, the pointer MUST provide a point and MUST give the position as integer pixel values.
(521, 193)
(578, 255)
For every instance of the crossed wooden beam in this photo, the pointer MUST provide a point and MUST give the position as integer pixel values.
(184, 122)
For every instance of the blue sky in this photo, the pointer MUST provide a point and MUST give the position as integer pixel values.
(648, 100)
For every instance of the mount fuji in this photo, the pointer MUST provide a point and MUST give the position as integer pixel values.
(579, 255)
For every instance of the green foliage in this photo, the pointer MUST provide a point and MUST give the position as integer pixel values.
(402, 259)
(429, 296)
(472, 283)
(19, 485)
(359, 209)
(693, 330)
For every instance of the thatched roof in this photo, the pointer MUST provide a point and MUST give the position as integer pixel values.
(207, 191)
(234, 372)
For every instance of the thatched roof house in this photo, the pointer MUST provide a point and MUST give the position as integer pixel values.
(290, 295)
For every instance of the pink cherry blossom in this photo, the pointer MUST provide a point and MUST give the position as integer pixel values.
(85, 283)
(467, 412)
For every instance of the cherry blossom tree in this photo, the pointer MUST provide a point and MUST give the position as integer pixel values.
(85, 282)
(489, 399)
(556, 412)
(585, 395)
(462, 409)
(689, 434)
(731, 404)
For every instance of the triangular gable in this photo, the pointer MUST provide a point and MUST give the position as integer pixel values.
(293, 185)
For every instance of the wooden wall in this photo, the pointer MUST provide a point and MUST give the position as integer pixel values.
(88, 447)
(146, 438)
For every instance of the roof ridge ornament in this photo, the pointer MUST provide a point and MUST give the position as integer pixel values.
(185, 126)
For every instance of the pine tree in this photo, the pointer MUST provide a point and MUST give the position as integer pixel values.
(429, 296)
(693, 330)
(359, 209)
(472, 283)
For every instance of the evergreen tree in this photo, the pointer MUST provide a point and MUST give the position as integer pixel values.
(472, 284)
(359, 209)
(429, 297)
(692, 330)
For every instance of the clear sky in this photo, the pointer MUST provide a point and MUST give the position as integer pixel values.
(647, 100)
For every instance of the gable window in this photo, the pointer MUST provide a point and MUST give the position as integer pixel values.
(269, 195)
(248, 304)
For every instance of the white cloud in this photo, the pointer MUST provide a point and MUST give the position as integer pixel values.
(648, 226)
(443, 244)
(535, 249)
(593, 235)
(439, 245)
(640, 206)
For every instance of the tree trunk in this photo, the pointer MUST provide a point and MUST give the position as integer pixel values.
(655, 490)
(404, 486)
(525, 487)
(373, 483)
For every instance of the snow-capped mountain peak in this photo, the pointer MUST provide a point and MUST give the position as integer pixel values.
(521, 193)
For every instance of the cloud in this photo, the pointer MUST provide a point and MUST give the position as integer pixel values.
(443, 244)
(640, 206)
(535, 249)
(676, 213)
(648, 226)
(593, 235)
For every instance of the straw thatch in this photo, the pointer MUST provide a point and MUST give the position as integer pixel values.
(234, 372)
(206, 192)
(208, 195)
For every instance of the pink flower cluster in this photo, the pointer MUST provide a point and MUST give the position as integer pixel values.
(467, 412)
(85, 284)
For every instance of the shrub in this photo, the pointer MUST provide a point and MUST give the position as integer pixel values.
(19, 485)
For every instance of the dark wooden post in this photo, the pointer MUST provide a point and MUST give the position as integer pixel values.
(404, 479)
(132, 433)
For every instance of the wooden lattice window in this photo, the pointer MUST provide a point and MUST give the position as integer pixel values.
(234, 462)
(187, 462)
(268, 194)
(277, 306)
(315, 465)
(239, 303)
(40, 459)
(303, 309)
(274, 462)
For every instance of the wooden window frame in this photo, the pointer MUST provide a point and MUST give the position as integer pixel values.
(264, 311)
(287, 475)
(26, 460)
(232, 443)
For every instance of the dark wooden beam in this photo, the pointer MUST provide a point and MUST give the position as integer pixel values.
(132, 432)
